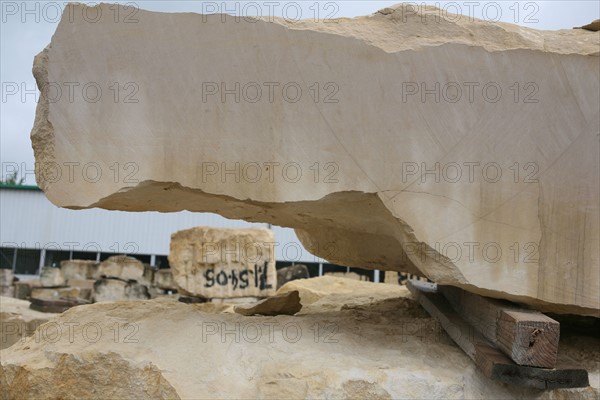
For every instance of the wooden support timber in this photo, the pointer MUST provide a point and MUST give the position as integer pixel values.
(528, 337)
(491, 361)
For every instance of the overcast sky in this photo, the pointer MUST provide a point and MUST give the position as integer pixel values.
(26, 28)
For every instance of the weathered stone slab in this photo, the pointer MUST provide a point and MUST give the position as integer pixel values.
(148, 278)
(122, 267)
(224, 262)
(6, 277)
(51, 277)
(281, 304)
(7, 291)
(463, 150)
(348, 275)
(107, 289)
(22, 290)
(78, 269)
(81, 283)
(61, 293)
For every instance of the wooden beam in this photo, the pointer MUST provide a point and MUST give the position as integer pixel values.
(492, 362)
(528, 337)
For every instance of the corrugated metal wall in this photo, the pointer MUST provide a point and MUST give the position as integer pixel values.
(29, 220)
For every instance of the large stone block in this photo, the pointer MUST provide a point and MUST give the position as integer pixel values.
(463, 150)
(6, 277)
(116, 290)
(224, 262)
(122, 267)
(51, 277)
(78, 269)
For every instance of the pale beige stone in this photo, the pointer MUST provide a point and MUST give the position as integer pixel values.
(367, 199)
(7, 291)
(17, 321)
(379, 347)
(81, 283)
(116, 290)
(148, 278)
(50, 277)
(224, 262)
(122, 267)
(6, 277)
(348, 275)
(78, 269)
(391, 277)
(62, 293)
(280, 304)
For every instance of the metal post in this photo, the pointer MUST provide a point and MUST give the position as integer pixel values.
(42, 260)
(152, 260)
(14, 263)
(376, 276)
(320, 269)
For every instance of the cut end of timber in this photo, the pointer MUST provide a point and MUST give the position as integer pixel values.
(530, 338)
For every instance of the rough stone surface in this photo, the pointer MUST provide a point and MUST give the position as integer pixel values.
(81, 283)
(51, 277)
(17, 321)
(108, 289)
(511, 209)
(280, 304)
(224, 262)
(148, 278)
(78, 269)
(348, 275)
(22, 290)
(61, 293)
(122, 267)
(6, 277)
(7, 291)
(366, 347)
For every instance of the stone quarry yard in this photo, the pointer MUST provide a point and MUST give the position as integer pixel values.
(351, 340)
(224, 315)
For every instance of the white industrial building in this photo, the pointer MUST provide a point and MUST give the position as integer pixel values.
(35, 233)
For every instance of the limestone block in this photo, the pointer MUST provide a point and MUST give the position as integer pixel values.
(81, 283)
(391, 277)
(122, 267)
(281, 304)
(51, 277)
(6, 277)
(22, 290)
(348, 275)
(107, 289)
(224, 262)
(61, 293)
(147, 278)
(78, 269)
(463, 150)
(7, 291)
